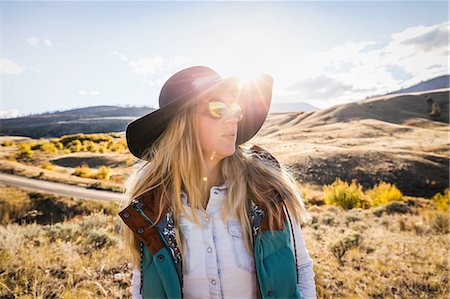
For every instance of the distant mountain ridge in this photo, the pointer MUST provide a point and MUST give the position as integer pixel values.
(431, 84)
(97, 119)
(98, 111)
(292, 107)
(103, 119)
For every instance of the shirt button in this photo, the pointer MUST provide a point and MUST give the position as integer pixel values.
(216, 192)
(209, 249)
(213, 281)
(208, 219)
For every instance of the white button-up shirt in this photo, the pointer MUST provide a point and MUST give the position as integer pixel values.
(217, 262)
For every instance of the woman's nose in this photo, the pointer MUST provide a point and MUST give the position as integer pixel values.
(231, 118)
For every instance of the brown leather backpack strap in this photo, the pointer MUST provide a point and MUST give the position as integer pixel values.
(140, 219)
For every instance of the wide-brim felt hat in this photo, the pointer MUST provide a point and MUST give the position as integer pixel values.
(189, 85)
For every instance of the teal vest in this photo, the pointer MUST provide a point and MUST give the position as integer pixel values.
(161, 269)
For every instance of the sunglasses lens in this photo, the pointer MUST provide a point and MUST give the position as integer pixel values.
(217, 109)
(236, 110)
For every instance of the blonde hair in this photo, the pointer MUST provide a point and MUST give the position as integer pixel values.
(246, 175)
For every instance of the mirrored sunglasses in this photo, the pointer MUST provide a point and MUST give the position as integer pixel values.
(218, 109)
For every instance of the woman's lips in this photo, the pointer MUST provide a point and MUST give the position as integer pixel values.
(229, 136)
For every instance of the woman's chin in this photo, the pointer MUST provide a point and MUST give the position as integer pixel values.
(227, 151)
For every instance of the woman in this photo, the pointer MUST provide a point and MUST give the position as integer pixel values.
(207, 216)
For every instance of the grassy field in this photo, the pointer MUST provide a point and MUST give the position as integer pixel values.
(384, 244)
(392, 251)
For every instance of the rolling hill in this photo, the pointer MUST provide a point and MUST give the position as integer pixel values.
(391, 138)
(103, 119)
(97, 119)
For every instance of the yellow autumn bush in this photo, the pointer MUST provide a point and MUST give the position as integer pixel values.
(345, 195)
(442, 200)
(383, 193)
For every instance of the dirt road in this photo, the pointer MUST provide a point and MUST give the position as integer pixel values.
(58, 188)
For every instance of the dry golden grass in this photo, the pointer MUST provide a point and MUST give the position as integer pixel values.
(81, 257)
(398, 255)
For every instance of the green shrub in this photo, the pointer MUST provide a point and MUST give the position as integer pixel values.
(74, 233)
(442, 200)
(352, 218)
(440, 223)
(327, 219)
(402, 225)
(68, 232)
(347, 196)
(383, 193)
(435, 110)
(94, 221)
(394, 207)
(100, 238)
(345, 243)
(378, 211)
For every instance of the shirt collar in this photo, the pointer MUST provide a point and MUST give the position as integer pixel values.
(184, 200)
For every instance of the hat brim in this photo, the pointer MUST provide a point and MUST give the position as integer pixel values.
(255, 97)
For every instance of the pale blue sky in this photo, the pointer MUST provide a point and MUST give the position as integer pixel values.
(63, 55)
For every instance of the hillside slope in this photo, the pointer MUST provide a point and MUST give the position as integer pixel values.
(390, 138)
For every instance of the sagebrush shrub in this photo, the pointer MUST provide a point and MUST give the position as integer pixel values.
(440, 223)
(327, 219)
(342, 245)
(100, 238)
(394, 207)
(68, 232)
